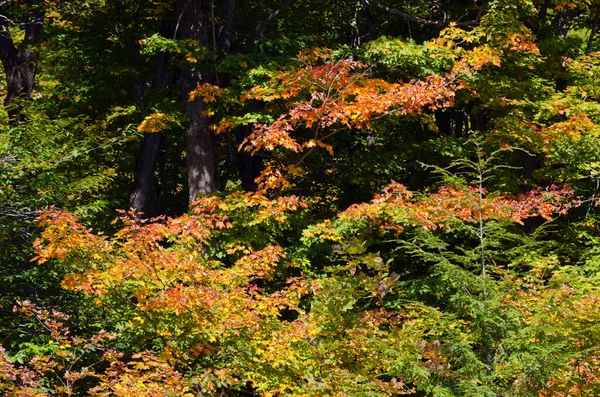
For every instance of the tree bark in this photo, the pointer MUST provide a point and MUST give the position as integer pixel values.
(201, 149)
(543, 12)
(201, 143)
(590, 42)
(249, 166)
(144, 196)
(20, 65)
(368, 24)
(227, 15)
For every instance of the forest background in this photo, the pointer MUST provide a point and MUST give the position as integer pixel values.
(299, 197)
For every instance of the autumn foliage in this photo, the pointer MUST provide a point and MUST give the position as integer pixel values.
(217, 300)
(422, 218)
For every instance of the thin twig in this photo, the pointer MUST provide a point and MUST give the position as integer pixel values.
(179, 19)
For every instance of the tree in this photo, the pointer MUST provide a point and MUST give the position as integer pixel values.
(201, 143)
(20, 60)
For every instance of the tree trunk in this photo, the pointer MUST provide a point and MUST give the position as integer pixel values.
(543, 12)
(144, 195)
(227, 15)
(20, 65)
(368, 24)
(201, 143)
(590, 42)
(201, 150)
(249, 166)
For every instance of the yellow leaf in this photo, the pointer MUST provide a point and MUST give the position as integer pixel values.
(156, 122)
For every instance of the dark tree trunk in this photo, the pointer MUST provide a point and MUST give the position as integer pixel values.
(477, 119)
(443, 120)
(201, 143)
(144, 195)
(531, 163)
(227, 15)
(249, 166)
(461, 121)
(543, 12)
(368, 24)
(590, 42)
(20, 65)
(201, 149)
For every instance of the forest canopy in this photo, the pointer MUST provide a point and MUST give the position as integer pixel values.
(299, 198)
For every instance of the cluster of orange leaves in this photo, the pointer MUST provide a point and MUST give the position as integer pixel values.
(562, 5)
(138, 249)
(210, 301)
(208, 92)
(178, 292)
(519, 42)
(551, 138)
(396, 208)
(341, 96)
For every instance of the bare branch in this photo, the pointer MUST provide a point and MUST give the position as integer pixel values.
(5, 2)
(423, 21)
(590, 42)
(7, 159)
(179, 19)
(9, 212)
(262, 26)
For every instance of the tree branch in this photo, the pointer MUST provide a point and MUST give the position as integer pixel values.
(9, 212)
(423, 21)
(588, 48)
(262, 26)
(8, 51)
(5, 2)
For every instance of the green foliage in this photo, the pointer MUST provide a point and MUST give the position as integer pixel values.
(398, 58)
